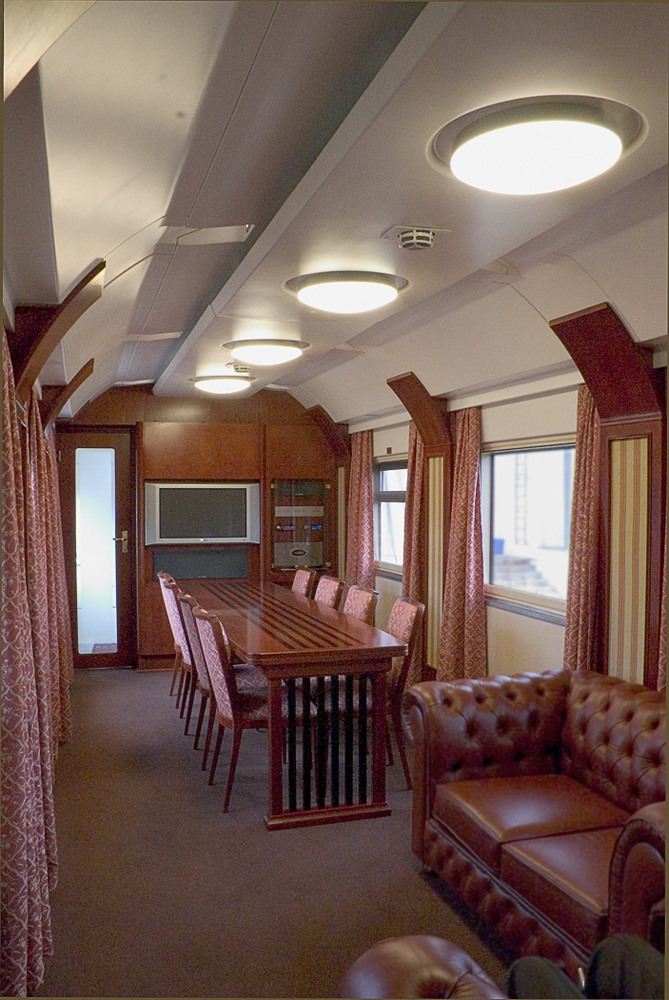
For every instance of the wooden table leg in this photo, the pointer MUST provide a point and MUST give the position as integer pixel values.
(379, 738)
(275, 749)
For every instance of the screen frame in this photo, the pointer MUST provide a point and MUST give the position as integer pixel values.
(152, 536)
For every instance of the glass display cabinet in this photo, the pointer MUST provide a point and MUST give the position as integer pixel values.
(301, 523)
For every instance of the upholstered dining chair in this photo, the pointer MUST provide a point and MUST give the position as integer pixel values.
(248, 677)
(404, 623)
(328, 591)
(235, 709)
(361, 604)
(183, 667)
(303, 582)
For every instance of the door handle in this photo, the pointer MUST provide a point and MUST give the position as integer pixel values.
(123, 539)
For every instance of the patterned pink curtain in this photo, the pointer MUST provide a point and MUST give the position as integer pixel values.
(413, 564)
(47, 587)
(58, 599)
(462, 644)
(26, 861)
(360, 531)
(662, 658)
(580, 639)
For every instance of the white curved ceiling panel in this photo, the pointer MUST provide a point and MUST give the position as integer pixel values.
(310, 121)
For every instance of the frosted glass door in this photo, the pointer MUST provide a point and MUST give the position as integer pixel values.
(96, 549)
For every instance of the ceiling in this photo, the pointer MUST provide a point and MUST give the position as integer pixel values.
(210, 151)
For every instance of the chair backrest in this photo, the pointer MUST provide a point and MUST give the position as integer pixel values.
(216, 651)
(329, 590)
(188, 606)
(361, 603)
(303, 581)
(170, 589)
(404, 623)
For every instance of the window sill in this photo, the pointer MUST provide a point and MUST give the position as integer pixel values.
(389, 570)
(544, 609)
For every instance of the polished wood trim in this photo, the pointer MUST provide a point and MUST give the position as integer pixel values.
(336, 435)
(427, 412)
(618, 372)
(51, 411)
(282, 633)
(39, 329)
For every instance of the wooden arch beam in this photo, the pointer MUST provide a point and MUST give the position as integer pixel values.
(336, 435)
(39, 329)
(618, 372)
(427, 412)
(52, 409)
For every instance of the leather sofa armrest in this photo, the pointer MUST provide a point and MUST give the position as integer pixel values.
(488, 728)
(637, 876)
(417, 966)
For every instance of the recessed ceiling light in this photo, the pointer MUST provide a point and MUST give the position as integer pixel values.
(346, 292)
(265, 352)
(223, 385)
(536, 145)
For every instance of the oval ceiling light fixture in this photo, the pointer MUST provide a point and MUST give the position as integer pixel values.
(536, 145)
(223, 385)
(265, 352)
(346, 292)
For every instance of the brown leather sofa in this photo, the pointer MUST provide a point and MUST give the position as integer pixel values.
(539, 799)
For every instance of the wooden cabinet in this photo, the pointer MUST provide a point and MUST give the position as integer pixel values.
(301, 535)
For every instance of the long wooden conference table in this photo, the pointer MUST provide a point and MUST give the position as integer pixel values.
(298, 643)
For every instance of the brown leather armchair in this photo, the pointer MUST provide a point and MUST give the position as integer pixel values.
(417, 966)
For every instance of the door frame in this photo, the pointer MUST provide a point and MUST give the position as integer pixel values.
(126, 655)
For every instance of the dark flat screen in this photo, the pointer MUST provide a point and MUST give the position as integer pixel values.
(202, 513)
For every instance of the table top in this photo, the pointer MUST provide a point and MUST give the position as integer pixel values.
(272, 627)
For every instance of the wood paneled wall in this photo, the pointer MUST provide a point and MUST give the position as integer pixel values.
(269, 436)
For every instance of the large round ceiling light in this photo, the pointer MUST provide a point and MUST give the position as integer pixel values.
(346, 292)
(265, 353)
(223, 385)
(536, 145)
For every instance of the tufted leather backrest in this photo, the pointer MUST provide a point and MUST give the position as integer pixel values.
(614, 739)
(493, 727)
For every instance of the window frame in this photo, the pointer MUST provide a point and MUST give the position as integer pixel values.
(381, 464)
(523, 602)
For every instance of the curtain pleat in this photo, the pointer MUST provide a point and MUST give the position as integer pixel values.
(581, 626)
(413, 563)
(662, 657)
(462, 644)
(27, 801)
(44, 637)
(360, 529)
(59, 607)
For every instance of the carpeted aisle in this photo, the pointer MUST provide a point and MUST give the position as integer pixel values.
(162, 895)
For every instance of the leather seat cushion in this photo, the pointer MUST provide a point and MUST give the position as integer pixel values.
(566, 878)
(486, 813)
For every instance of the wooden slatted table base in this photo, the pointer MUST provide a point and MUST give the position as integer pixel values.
(294, 640)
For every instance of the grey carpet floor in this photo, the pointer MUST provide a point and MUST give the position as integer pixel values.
(161, 894)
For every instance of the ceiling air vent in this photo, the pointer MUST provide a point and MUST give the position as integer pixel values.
(416, 239)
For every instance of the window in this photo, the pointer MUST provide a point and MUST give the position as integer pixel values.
(390, 483)
(526, 498)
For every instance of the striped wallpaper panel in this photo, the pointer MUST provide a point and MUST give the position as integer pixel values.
(435, 556)
(629, 536)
